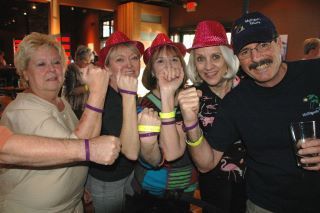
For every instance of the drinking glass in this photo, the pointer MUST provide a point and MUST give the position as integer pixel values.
(302, 132)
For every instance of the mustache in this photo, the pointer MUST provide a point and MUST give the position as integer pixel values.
(254, 65)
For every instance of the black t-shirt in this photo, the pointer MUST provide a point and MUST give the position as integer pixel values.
(111, 125)
(232, 164)
(260, 117)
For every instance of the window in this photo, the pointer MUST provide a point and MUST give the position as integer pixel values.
(106, 25)
(107, 28)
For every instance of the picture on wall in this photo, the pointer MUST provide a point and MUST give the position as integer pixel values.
(284, 41)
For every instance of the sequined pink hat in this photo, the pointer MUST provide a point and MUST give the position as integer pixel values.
(209, 33)
(161, 40)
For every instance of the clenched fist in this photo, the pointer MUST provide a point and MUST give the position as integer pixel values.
(189, 104)
(104, 149)
(149, 117)
(96, 78)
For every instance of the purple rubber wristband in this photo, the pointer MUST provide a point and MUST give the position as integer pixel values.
(188, 128)
(87, 147)
(168, 122)
(94, 108)
(127, 91)
(149, 134)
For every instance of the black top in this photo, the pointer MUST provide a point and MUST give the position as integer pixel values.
(231, 167)
(260, 117)
(111, 125)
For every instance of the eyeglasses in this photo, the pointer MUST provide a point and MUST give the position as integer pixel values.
(260, 48)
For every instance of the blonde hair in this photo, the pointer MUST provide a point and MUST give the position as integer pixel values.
(32, 43)
(229, 57)
(83, 53)
(149, 81)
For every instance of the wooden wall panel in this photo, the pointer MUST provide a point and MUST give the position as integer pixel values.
(128, 20)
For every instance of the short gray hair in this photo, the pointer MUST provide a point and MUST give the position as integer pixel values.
(229, 57)
(310, 44)
(82, 53)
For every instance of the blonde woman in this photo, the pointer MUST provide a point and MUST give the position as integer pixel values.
(109, 185)
(41, 61)
(212, 68)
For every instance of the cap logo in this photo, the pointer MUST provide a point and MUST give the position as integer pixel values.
(253, 21)
(239, 28)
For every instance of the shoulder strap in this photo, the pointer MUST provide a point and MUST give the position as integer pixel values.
(154, 100)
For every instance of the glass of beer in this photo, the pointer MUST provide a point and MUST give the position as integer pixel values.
(302, 132)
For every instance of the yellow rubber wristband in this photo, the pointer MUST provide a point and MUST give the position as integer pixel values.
(144, 128)
(195, 143)
(86, 88)
(165, 115)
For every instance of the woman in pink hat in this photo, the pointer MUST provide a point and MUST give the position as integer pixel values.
(165, 169)
(109, 184)
(212, 68)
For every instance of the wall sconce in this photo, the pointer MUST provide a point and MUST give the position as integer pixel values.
(190, 5)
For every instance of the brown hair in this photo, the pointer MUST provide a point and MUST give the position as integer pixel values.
(149, 81)
(115, 47)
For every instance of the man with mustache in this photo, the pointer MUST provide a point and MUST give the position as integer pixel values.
(259, 112)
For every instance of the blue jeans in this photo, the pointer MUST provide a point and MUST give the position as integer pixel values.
(109, 197)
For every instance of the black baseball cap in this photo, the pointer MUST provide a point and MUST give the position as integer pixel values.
(252, 28)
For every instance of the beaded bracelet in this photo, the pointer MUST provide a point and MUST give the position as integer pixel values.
(165, 115)
(87, 148)
(145, 128)
(93, 108)
(188, 128)
(197, 142)
(149, 134)
(127, 91)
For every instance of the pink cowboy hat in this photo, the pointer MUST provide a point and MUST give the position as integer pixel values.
(115, 39)
(209, 33)
(160, 40)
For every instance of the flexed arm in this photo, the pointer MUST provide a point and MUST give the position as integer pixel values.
(24, 150)
(128, 86)
(97, 80)
(172, 137)
(150, 149)
(204, 157)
